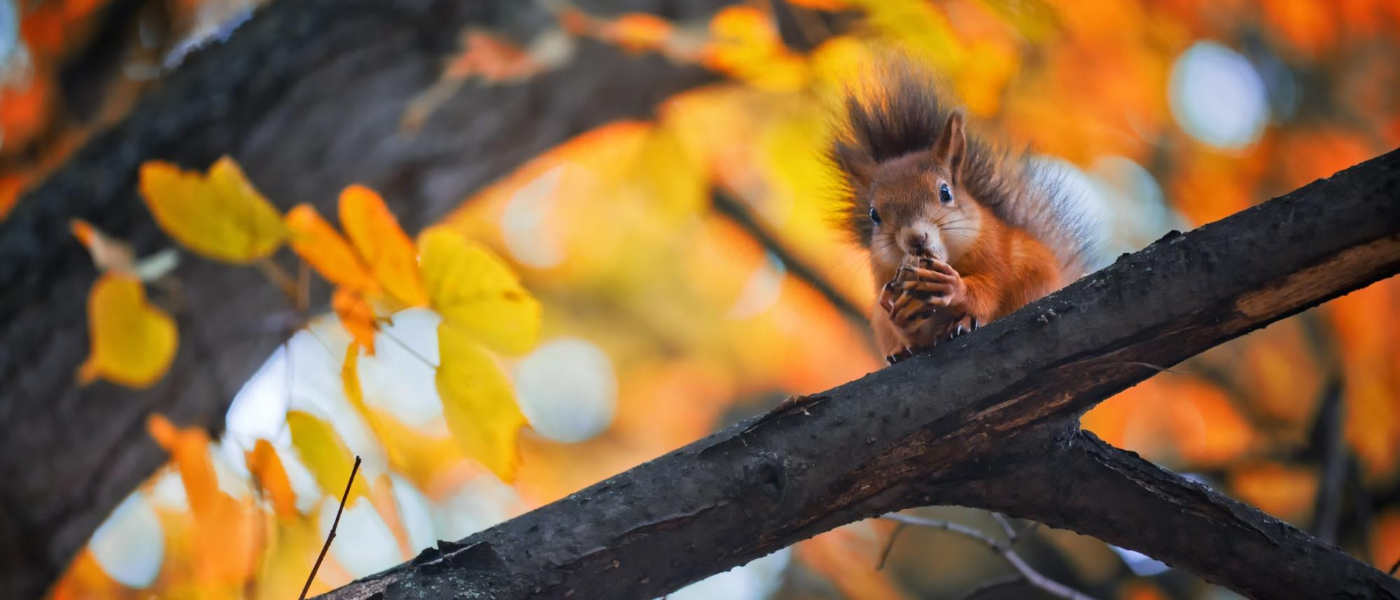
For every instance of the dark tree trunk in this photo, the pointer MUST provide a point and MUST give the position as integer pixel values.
(307, 96)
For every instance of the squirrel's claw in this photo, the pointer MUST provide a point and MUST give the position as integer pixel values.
(908, 352)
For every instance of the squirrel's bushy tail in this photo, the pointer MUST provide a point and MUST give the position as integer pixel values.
(905, 113)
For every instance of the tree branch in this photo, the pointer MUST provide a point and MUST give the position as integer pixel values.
(307, 96)
(981, 414)
(1079, 482)
(742, 216)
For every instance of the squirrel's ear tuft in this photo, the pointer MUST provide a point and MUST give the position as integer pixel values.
(857, 165)
(952, 145)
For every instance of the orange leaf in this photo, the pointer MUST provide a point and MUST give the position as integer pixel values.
(322, 247)
(225, 549)
(264, 464)
(381, 496)
(1385, 539)
(107, 253)
(1282, 491)
(25, 110)
(821, 4)
(386, 249)
(492, 58)
(845, 556)
(357, 316)
(639, 31)
(189, 450)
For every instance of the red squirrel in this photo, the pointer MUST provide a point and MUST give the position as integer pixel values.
(959, 232)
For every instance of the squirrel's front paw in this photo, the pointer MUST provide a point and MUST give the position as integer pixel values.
(923, 289)
(936, 282)
(928, 303)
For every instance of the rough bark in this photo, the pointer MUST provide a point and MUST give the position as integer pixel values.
(307, 96)
(969, 422)
(1079, 482)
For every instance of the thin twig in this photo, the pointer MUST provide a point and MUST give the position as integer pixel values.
(279, 277)
(1027, 573)
(423, 359)
(743, 217)
(1394, 567)
(331, 536)
(1006, 526)
(950, 526)
(889, 545)
(1329, 441)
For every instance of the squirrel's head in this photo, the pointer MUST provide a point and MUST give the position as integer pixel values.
(915, 203)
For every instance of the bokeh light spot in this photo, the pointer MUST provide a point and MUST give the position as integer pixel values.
(568, 390)
(523, 221)
(1218, 97)
(130, 544)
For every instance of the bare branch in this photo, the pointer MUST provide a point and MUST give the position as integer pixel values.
(1027, 573)
(889, 545)
(1330, 442)
(963, 530)
(742, 216)
(1006, 527)
(1076, 481)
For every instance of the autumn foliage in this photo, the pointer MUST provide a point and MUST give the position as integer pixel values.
(546, 319)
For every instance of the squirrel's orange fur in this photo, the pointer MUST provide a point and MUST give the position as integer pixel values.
(959, 233)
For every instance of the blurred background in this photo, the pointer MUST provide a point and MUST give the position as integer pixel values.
(691, 276)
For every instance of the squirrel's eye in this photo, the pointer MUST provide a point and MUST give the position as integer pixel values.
(874, 216)
(945, 194)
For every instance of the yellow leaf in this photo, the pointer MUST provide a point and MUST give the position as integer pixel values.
(264, 464)
(132, 341)
(744, 43)
(418, 456)
(219, 215)
(478, 403)
(385, 248)
(357, 316)
(325, 455)
(350, 380)
(322, 247)
(291, 549)
(477, 293)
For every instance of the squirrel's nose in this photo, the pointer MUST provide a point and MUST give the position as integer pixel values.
(915, 241)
